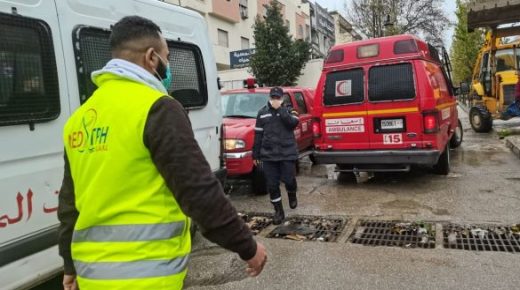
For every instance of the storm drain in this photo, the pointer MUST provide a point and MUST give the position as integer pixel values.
(394, 234)
(482, 238)
(257, 221)
(307, 228)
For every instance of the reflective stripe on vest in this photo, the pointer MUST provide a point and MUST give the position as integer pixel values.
(130, 270)
(129, 233)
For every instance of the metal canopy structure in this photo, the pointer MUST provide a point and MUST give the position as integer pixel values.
(491, 13)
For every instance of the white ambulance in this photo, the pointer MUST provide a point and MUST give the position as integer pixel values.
(48, 48)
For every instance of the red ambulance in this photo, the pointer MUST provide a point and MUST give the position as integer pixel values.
(386, 104)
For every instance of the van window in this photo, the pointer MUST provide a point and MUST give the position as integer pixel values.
(302, 108)
(29, 90)
(391, 82)
(344, 87)
(92, 50)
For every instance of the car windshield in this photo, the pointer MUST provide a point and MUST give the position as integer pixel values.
(243, 105)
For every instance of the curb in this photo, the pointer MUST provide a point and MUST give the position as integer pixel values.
(514, 146)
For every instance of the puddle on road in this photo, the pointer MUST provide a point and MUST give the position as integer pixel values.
(413, 205)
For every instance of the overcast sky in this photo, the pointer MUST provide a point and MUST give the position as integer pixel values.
(449, 8)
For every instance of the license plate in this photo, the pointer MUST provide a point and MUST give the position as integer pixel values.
(392, 124)
(392, 139)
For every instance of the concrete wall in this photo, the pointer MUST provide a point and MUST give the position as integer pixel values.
(233, 79)
(311, 73)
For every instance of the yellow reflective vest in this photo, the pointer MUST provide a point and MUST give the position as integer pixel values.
(131, 232)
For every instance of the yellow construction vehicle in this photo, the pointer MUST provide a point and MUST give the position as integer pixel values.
(496, 70)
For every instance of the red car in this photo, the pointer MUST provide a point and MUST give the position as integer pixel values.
(240, 108)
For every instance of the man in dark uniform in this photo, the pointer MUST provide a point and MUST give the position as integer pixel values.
(276, 151)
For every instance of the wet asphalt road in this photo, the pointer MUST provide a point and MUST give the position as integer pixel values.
(482, 188)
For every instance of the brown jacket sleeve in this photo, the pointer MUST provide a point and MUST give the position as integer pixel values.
(67, 214)
(174, 150)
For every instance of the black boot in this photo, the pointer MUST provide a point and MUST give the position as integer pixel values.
(293, 201)
(279, 215)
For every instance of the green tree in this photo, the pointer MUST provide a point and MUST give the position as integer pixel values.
(465, 47)
(278, 59)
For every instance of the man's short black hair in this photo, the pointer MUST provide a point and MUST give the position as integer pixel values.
(131, 28)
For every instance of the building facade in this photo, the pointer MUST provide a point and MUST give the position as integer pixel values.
(230, 24)
(343, 30)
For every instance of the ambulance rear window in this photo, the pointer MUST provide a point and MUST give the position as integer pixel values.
(344, 87)
(391, 82)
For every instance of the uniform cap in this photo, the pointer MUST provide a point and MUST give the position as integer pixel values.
(276, 92)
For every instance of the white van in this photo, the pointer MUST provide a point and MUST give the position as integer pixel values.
(47, 51)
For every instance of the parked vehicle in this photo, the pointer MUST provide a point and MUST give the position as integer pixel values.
(385, 104)
(240, 108)
(49, 48)
(495, 73)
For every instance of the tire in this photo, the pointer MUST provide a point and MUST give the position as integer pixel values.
(480, 119)
(456, 139)
(443, 164)
(258, 182)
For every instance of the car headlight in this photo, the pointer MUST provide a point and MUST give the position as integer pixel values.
(232, 144)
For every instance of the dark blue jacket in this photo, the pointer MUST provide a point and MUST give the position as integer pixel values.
(274, 134)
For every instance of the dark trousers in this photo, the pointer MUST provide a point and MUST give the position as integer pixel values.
(276, 171)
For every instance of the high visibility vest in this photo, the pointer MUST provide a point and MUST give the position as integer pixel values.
(131, 232)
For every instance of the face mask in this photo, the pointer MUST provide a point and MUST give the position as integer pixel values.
(164, 73)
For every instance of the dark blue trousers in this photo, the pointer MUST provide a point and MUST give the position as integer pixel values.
(276, 171)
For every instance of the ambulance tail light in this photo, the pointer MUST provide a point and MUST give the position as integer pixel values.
(316, 129)
(431, 122)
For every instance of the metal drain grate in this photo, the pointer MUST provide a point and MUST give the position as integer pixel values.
(394, 234)
(482, 238)
(307, 228)
(257, 221)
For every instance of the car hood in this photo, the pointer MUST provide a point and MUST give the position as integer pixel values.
(239, 128)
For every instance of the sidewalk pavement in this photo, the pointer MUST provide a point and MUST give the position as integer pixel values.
(512, 142)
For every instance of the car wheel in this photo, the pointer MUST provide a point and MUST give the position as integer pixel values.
(443, 165)
(480, 119)
(456, 139)
(259, 186)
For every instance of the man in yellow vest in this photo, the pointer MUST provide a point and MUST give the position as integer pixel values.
(133, 175)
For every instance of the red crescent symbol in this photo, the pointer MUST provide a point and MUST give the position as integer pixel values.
(338, 88)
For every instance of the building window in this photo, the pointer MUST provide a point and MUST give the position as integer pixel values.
(300, 31)
(29, 91)
(245, 42)
(307, 32)
(243, 9)
(223, 39)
